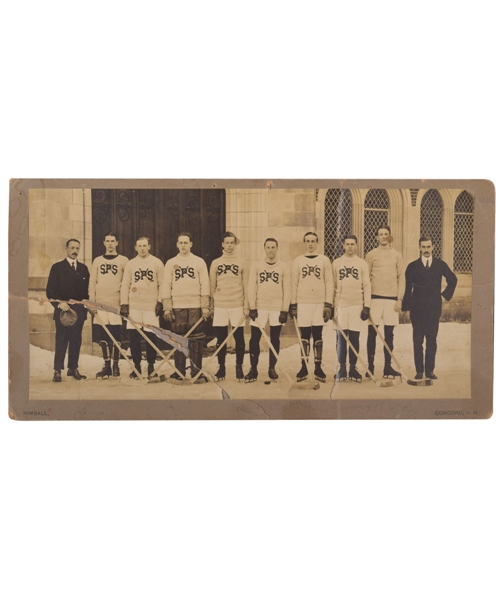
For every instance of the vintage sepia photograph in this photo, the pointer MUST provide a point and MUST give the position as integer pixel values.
(241, 294)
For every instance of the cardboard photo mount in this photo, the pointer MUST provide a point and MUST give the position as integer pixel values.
(28, 403)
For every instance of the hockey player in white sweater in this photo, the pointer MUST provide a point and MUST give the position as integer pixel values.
(387, 276)
(186, 298)
(269, 292)
(311, 302)
(351, 301)
(228, 282)
(140, 298)
(106, 277)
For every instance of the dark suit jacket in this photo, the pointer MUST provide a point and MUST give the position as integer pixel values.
(67, 284)
(423, 295)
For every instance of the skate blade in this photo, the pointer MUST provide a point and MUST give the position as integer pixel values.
(248, 380)
(356, 380)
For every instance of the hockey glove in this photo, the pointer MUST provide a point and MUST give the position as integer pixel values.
(283, 317)
(168, 315)
(365, 313)
(327, 312)
(124, 310)
(292, 311)
(158, 309)
(205, 313)
(254, 313)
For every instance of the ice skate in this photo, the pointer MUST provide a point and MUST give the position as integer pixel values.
(252, 375)
(134, 375)
(221, 373)
(371, 370)
(354, 375)
(116, 370)
(319, 373)
(341, 373)
(239, 372)
(105, 372)
(390, 373)
(273, 376)
(302, 375)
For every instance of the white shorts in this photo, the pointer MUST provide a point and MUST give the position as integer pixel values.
(108, 318)
(384, 310)
(273, 316)
(310, 315)
(143, 316)
(224, 316)
(349, 317)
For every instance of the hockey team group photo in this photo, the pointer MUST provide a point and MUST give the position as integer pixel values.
(250, 294)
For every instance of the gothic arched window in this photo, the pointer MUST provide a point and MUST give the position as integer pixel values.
(337, 221)
(376, 215)
(431, 220)
(463, 233)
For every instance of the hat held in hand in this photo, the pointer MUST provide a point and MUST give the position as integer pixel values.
(68, 317)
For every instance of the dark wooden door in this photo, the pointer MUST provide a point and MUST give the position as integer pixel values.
(160, 215)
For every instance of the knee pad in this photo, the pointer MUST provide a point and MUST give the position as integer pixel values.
(318, 351)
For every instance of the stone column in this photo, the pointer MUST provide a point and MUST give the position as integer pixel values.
(357, 217)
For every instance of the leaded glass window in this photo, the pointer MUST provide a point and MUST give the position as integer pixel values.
(376, 215)
(338, 224)
(463, 233)
(431, 220)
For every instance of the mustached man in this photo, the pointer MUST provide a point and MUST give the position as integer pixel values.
(68, 280)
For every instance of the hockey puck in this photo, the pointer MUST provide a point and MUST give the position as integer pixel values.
(267, 382)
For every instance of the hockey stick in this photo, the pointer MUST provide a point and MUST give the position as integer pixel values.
(388, 383)
(171, 352)
(273, 350)
(153, 345)
(304, 357)
(419, 382)
(230, 335)
(120, 349)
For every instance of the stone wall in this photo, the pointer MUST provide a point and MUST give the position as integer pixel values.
(54, 217)
(254, 215)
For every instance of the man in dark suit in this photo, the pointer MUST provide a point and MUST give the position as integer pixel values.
(68, 280)
(423, 299)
